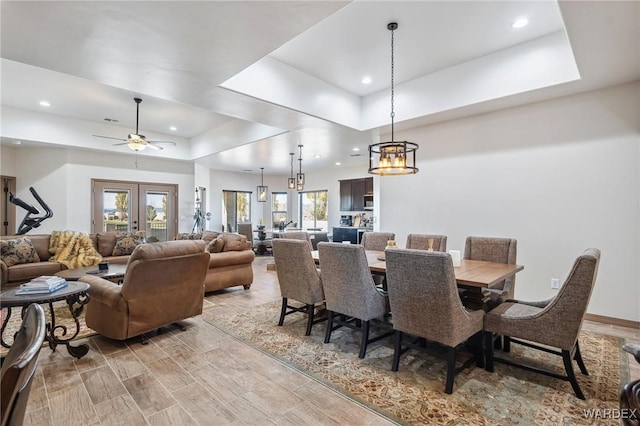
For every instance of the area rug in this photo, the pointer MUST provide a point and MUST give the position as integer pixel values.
(63, 317)
(415, 394)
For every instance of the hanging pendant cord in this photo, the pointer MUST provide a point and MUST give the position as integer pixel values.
(393, 114)
(291, 154)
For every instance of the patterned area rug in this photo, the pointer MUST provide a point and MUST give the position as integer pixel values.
(63, 317)
(415, 394)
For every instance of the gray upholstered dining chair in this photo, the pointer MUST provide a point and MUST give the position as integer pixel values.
(352, 298)
(298, 278)
(560, 318)
(19, 366)
(499, 250)
(376, 240)
(424, 301)
(630, 393)
(421, 242)
(297, 235)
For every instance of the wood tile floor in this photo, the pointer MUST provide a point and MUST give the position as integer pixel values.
(199, 376)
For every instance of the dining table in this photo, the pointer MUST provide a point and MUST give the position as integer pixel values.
(471, 275)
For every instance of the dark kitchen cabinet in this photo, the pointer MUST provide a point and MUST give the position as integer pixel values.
(368, 186)
(352, 193)
(345, 195)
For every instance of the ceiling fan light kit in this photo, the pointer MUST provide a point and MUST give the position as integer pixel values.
(136, 141)
(392, 157)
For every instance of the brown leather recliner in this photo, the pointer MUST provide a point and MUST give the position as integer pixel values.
(164, 283)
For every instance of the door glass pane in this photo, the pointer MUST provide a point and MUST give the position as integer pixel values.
(116, 210)
(156, 216)
(244, 207)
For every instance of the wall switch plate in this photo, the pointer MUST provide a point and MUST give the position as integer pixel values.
(555, 283)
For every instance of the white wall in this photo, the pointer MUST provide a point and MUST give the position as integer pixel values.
(8, 161)
(559, 176)
(62, 177)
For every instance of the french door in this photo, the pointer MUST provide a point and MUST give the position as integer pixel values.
(132, 206)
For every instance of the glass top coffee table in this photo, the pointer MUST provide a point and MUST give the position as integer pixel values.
(114, 273)
(75, 294)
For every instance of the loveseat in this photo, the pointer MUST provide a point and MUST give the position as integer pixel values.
(17, 274)
(230, 259)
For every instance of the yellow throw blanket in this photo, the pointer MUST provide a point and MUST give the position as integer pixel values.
(73, 249)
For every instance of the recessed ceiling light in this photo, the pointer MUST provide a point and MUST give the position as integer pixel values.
(520, 23)
(366, 80)
(16, 142)
(338, 163)
(45, 103)
(173, 128)
(317, 156)
(355, 149)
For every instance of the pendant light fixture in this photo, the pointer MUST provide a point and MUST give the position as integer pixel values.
(291, 182)
(262, 190)
(300, 175)
(393, 157)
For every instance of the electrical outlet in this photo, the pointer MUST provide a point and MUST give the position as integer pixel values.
(555, 283)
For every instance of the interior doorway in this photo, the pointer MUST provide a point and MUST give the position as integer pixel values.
(7, 209)
(132, 206)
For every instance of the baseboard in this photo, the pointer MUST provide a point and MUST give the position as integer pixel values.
(611, 320)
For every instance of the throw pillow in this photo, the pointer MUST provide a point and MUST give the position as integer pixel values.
(126, 242)
(216, 245)
(189, 236)
(234, 242)
(207, 236)
(17, 251)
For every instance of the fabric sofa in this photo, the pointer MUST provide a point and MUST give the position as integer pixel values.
(14, 275)
(230, 259)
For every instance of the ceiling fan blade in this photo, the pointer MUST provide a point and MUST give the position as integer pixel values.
(156, 147)
(109, 137)
(163, 142)
(123, 143)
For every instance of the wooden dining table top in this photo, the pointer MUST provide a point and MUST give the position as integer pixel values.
(471, 273)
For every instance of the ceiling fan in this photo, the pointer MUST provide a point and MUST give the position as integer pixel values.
(136, 141)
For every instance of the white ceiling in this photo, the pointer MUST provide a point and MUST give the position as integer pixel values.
(246, 82)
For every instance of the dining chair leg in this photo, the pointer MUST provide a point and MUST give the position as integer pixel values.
(479, 344)
(397, 349)
(451, 369)
(311, 311)
(578, 357)
(497, 342)
(568, 366)
(506, 344)
(283, 311)
(364, 339)
(488, 347)
(327, 335)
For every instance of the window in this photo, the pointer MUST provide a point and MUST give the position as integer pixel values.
(279, 208)
(236, 208)
(312, 206)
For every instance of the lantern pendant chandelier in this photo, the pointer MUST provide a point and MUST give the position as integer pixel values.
(393, 157)
(262, 190)
(291, 182)
(300, 175)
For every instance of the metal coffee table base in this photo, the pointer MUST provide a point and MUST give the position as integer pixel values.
(75, 295)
